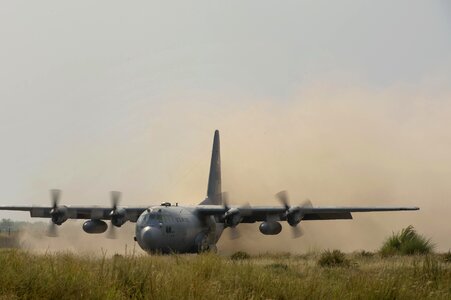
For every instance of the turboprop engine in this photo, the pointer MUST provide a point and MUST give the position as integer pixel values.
(294, 216)
(118, 217)
(270, 228)
(232, 217)
(59, 215)
(95, 226)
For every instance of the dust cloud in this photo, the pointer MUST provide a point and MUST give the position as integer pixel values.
(71, 238)
(336, 143)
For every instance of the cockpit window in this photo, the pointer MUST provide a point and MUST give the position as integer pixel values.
(142, 218)
(152, 218)
(156, 217)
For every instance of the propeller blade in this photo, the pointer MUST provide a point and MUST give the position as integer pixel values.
(115, 197)
(245, 209)
(55, 197)
(296, 231)
(283, 198)
(52, 230)
(225, 199)
(233, 232)
(306, 204)
(111, 234)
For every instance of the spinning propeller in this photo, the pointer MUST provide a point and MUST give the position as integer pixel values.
(52, 230)
(114, 214)
(233, 216)
(294, 214)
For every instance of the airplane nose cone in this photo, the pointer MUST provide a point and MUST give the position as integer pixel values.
(150, 237)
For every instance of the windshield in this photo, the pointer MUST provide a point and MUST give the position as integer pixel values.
(155, 218)
(151, 218)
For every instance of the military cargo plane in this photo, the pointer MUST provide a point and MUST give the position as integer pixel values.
(168, 228)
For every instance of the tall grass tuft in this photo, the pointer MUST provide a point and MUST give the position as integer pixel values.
(334, 258)
(447, 257)
(406, 242)
(240, 255)
(365, 254)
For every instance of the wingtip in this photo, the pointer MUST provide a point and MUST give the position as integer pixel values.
(412, 208)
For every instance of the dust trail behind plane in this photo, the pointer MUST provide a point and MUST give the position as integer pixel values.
(337, 144)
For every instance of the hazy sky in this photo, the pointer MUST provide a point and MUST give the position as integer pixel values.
(103, 95)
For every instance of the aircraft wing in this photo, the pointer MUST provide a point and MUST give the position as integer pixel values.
(278, 213)
(78, 212)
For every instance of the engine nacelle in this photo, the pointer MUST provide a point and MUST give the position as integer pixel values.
(294, 217)
(59, 215)
(270, 228)
(232, 217)
(95, 226)
(119, 217)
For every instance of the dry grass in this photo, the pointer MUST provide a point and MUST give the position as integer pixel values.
(208, 276)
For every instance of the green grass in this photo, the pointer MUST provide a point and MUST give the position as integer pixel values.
(447, 256)
(406, 242)
(25, 275)
(334, 258)
(240, 255)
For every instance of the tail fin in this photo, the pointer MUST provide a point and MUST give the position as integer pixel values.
(214, 194)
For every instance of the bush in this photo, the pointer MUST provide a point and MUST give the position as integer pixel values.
(406, 242)
(240, 255)
(334, 258)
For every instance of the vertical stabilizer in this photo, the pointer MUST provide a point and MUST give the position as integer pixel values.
(214, 195)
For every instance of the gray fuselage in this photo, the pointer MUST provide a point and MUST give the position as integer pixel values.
(167, 229)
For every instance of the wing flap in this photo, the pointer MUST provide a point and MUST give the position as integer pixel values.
(328, 216)
(40, 212)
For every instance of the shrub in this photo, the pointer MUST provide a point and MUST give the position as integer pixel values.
(240, 255)
(406, 242)
(334, 258)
